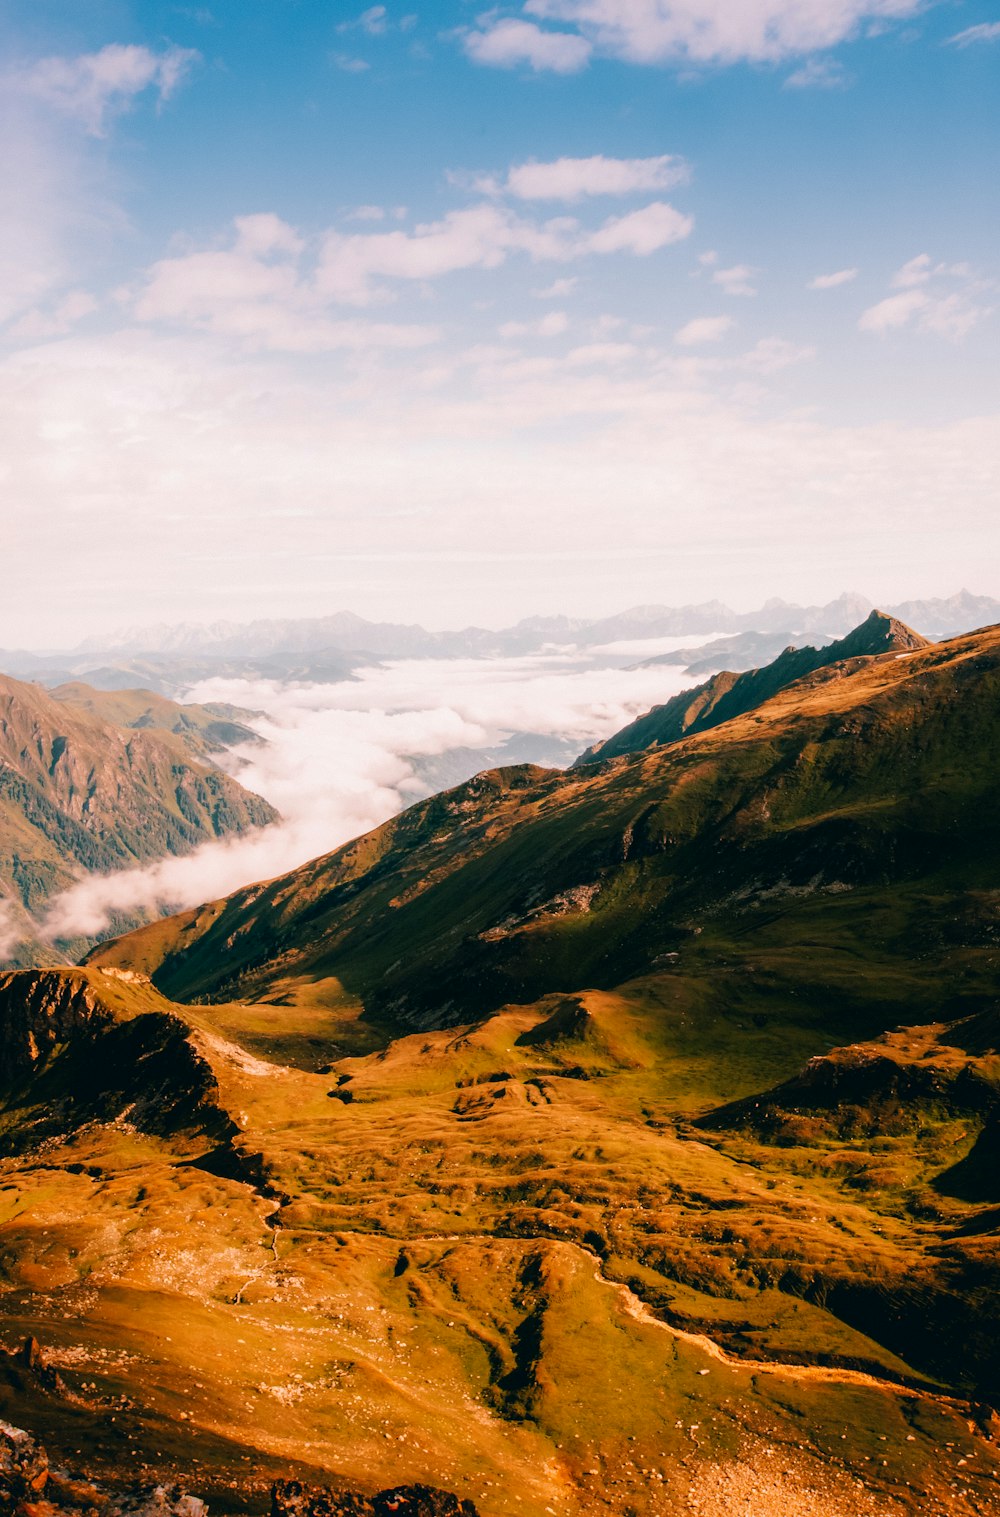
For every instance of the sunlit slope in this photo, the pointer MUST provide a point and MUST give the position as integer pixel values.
(727, 695)
(828, 860)
(499, 1260)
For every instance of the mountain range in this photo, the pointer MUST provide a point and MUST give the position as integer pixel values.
(170, 658)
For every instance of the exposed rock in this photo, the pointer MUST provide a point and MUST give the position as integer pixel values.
(290, 1499)
(30, 1488)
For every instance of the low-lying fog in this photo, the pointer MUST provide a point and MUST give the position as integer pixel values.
(338, 759)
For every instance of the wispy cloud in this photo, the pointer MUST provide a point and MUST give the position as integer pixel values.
(946, 300)
(92, 88)
(818, 74)
(354, 267)
(737, 280)
(510, 42)
(704, 329)
(572, 179)
(986, 31)
(833, 281)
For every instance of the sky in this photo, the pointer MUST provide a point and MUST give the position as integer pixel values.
(457, 314)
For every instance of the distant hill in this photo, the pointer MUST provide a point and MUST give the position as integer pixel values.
(90, 782)
(727, 694)
(344, 632)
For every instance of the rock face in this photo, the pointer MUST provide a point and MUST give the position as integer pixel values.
(30, 1487)
(290, 1499)
(726, 695)
(95, 1056)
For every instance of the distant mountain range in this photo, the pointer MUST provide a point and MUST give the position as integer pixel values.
(326, 648)
(95, 782)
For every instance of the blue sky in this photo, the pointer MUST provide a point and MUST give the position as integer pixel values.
(449, 313)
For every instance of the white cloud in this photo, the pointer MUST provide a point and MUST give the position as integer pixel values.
(736, 280)
(374, 21)
(641, 232)
(252, 485)
(12, 928)
(574, 178)
(916, 272)
(926, 304)
(482, 236)
(986, 31)
(337, 760)
(557, 290)
(817, 74)
(684, 31)
(509, 42)
(256, 293)
(264, 234)
(61, 318)
(704, 329)
(94, 87)
(349, 64)
(552, 325)
(832, 281)
(894, 311)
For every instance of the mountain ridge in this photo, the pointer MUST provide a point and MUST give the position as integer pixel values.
(346, 631)
(729, 694)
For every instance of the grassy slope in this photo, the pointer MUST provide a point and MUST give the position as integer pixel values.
(507, 1263)
(450, 1284)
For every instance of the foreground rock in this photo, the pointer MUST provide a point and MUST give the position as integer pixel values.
(30, 1487)
(290, 1499)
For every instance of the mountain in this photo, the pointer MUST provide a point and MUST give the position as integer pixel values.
(203, 730)
(949, 617)
(345, 633)
(741, 651)
(90, 782)
(620, 1140)
(727, 694)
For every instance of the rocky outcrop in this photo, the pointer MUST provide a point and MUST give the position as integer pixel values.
(31, 1487)
(290, 1499)
(68, 1055)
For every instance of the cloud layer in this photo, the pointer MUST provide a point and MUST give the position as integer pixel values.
(338, 761)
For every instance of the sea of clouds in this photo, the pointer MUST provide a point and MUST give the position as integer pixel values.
(338, 759)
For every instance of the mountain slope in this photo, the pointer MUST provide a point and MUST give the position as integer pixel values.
(204, 730)
(525, 880)
(614, 1141)
(726, 695)
(79, 792)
